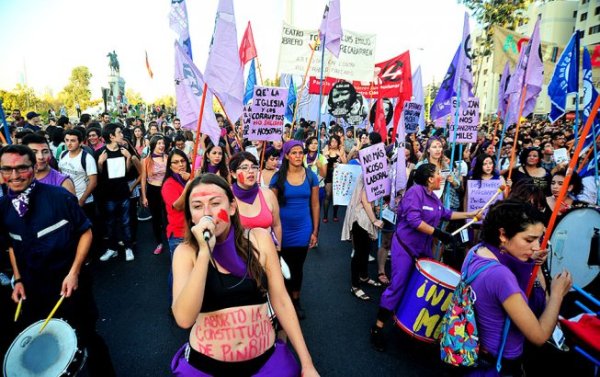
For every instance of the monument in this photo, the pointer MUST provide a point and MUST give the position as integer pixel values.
(116, 94)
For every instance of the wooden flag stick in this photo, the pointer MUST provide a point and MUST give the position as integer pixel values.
(514, 148)
(198, 129)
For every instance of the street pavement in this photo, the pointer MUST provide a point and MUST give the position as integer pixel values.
(135, 319)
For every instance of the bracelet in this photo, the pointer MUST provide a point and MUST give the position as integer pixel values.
(17, 281)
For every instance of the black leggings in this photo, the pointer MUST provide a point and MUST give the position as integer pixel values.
(157, 209)
(294, 257)
(360, 261)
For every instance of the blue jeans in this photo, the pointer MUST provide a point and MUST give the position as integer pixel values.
(116, 214)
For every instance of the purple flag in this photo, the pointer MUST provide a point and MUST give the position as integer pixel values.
(331, 27)
(501, 89)
(512, 94)
(419, 96)
(463, 80)
(442, 105)
(224, 72)
(178, 21)
(534, 75)
(188, 92)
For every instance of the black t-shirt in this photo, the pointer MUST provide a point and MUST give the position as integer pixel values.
(117, 187)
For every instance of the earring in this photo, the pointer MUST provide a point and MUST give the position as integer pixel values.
(502, 249)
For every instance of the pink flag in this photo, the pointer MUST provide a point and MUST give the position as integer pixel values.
(247, 46)
(188, 92)
(331, 27)
(534, 75)
(224, 72)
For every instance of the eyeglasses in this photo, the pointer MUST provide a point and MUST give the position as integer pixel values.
(21, 169)
(246, 168)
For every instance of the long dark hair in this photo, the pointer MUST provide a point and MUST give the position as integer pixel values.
(181, 154)
(422, 174)
(514, 216)
(478, 169)
(242, 244)
(222, 166)
(281, 178)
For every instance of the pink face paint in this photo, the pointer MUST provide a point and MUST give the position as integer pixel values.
(240, 178)
(223, 215)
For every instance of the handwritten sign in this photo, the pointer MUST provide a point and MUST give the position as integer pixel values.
(217, 333)
(246, 120)
(268, 110)
(480, 191)
(468, 121)
(375, 171)
(561, 155)
(444, 174)
(344, 181)
(411, 114)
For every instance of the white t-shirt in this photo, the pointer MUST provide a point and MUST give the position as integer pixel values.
(72, 167)
(590, 190)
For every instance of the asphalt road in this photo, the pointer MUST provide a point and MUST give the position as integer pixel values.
(142, 336)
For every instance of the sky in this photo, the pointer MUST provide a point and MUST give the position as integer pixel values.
(43, 40)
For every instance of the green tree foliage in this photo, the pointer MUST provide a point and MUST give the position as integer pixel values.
(508, 14)
(77, 90)
(133, 97)
(22, 97)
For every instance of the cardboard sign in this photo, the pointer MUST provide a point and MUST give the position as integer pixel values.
(268, 110)
(246, 120)
(375, 171)
(561, 155)
(468, 121)
(479, 192)
(411, 114)
(344, 181)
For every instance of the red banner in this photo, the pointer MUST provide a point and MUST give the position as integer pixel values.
(395, 78)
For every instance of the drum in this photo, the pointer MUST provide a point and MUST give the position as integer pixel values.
(426, 298)
(571, 242)
(52, 353)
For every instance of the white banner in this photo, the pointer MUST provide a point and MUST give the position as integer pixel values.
(344, 181)
(355, 63)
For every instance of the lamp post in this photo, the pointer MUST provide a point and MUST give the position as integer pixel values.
(105, 92)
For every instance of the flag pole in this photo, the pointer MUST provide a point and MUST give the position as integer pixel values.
(456, 115)
(514, 148)
(230, 122)
(259, 70)
(564, 188)
(198, 129)
(299, 98)
(322, 45)
(504, 127)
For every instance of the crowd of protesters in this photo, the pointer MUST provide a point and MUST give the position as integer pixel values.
(124, 170)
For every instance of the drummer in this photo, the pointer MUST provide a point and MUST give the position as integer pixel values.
(49, 237)
(419, 217)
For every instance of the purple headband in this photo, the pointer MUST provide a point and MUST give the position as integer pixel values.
(287, 147)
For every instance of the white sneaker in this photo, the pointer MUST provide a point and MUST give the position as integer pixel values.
(109, 254)
(129, 255)
(121, 243)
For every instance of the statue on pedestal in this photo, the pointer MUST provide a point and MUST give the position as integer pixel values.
(113, 62)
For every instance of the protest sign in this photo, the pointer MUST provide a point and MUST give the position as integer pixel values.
(479, 192)
(468, 121)
(355, 62)
(268, 110)
(375, 171)
(246, 119)
(411, 114)
(561, 155)
(444, 174)
(344, 181)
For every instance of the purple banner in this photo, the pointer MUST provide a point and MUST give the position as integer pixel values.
(375, 171)
(268, 111)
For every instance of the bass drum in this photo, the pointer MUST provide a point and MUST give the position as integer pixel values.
(571, 243)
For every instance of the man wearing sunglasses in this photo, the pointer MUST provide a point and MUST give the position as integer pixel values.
(48, 237)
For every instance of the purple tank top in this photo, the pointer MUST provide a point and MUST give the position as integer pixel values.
(54, 178)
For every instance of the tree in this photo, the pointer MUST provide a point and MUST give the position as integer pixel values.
(168, 101)
(133, 97)
(508, 14)
(22, 97)
(78, 89)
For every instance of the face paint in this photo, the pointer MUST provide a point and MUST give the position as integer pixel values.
(206, 193)
(223, 215)
(240, 178)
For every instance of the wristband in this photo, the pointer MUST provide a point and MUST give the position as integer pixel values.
(17, 281)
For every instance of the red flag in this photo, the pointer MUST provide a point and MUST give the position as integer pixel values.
(148, 66)
(247, 46)
(380, 125)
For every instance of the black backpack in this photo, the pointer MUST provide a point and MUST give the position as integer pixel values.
(83, 158)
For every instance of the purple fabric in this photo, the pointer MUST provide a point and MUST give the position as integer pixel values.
(211, 168)
(521, 270)
(179, 179)
(402, 267)
(247, 196)
(311, 157)
(463, 80)
(534, 76)
(418, 205)
(54, 178)
(189, 85)
(492, 287)
(512, 94)
(331, 27)
(226, 255)
(21, 200)
(281, 364)
(287, 147)
(501, 89)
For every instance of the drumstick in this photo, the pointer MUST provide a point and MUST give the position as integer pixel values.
(18, 311)
(62, 297)
(475, 219)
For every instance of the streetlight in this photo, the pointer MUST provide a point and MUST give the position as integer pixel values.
(105, 92)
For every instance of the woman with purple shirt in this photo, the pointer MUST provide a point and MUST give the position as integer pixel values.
(215, 162)
(511, 239)
(419, 215)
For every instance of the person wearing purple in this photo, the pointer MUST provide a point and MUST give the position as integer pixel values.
(44, 173)
(511, 236)
(221, 277)
(419, 215)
